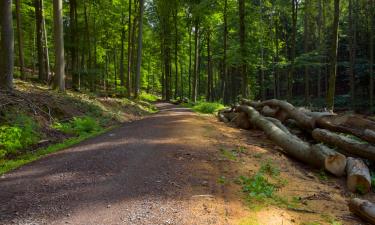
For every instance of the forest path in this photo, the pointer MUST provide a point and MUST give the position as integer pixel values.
(158, 170)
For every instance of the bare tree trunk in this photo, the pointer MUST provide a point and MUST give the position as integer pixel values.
(122, 75)
(333, 58)
(225, 94)
(306, 49)
(190, 52)
(293, 49)
(46, 52)
(59, 44)
(139, 52)
(73, 48)
(128, 80)
(196, 61)
(363, 208)
(176, 53)
(359, 178)
(209, 68)
(352, 52)
(371, 46)
(241, 8)
(20, 40)
(39, 40)
(7, 46)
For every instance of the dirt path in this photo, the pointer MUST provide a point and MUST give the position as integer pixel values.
(163, 169)
(141, 173)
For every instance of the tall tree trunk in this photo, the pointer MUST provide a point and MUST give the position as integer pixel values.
(209, 67)
(20, 40)
(73, 48)
(244, 86)
(371, 46)
(176, 53)
(293, 49)
(46, 53)
(7, 46)
(333, 58)
(39, 40)
(190, 63)
(128, 78)
(59, 44)
(139, 53)
(196, 61)
(320, 42)
(306, 49)
(225, 86)
(122, 75)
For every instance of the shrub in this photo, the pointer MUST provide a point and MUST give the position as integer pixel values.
(148, 97)
(79, 126)
(208, 107)
(22, 133)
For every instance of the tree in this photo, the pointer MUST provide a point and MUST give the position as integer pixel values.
(196, 60)
(242, 34)
(59, 44)
(7, 46)
(20, 40)
(139, 54)
(371, 47)
(293, 48)
(38, 4)
(333, 58)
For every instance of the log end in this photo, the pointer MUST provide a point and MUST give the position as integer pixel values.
(358, 183)
(335, 164)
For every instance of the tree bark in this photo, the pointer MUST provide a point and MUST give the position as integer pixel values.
(352, 51)
(209, 67)
(176, 52)
(59, 44)
(371, 47)
(122, 75)
(225, 86)
(293, 48)
(73, 48)
(7, 46)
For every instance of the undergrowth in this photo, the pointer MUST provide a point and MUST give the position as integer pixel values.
(261, 188)
(17, 132)
(204, 107)
(144, 96)
(79, 126)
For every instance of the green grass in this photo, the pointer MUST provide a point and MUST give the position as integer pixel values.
(11, 164)
(230, 155)
(205, 107)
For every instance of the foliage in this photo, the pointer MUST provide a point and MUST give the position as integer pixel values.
(207, 107)
(11, 164)
(144, 96)
(18, 133)
(79, 126)
(230, 155)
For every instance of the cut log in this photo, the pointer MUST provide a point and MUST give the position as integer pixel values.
(346, 145)
(294, 146)
(287, 111)
(359, 178)
(222, 117)
(329, 159)
(268, 111)
(363, 209)
(349, 124)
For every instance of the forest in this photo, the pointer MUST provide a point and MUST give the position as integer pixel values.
(144, 99)
(311, 52)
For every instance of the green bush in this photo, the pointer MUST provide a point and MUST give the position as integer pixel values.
(208, 107)
(148, 97)
(79, 126)
(22, 133)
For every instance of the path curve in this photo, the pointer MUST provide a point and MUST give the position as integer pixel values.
(156, 170)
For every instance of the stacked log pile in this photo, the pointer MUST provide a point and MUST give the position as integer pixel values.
(340, 144)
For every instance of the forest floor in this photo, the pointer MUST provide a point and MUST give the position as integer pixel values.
(173, 167)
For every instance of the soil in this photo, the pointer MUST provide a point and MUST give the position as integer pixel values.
(165, 169)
